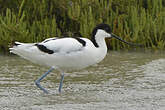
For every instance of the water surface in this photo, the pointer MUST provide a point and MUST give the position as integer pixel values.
(123, 81)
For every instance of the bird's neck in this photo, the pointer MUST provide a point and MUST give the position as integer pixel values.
(98, 39)
(101, 49)
(99, 42)
(100, 46)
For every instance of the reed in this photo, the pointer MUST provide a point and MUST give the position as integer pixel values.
(138, 21)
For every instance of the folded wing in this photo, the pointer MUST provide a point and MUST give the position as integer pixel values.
(61, 45)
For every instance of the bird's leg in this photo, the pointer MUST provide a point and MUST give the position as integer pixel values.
(37, 82)
(61, 82)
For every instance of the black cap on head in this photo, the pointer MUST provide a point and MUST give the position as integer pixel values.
(102, 26)
(108, 29)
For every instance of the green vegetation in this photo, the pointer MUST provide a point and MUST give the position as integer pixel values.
(138, 21)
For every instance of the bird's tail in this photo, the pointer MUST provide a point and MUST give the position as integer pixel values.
(15, 47)
(27, 51)
(20, 48)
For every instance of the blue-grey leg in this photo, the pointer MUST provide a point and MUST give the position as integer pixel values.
(61, 82)
(37, 82)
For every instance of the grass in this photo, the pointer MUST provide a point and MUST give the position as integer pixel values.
(138, 21)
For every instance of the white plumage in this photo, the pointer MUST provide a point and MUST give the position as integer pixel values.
(66, 54)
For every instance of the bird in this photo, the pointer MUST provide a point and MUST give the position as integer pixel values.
(66, 54)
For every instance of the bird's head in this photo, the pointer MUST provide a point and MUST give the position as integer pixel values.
(105, 31)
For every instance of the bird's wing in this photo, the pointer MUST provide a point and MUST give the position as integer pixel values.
(61, 45)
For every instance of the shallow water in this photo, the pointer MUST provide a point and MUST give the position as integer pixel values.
(123, 81)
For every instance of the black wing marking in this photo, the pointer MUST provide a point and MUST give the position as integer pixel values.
(49, 39)
(81, 41)
(44, 49)
(42, 46)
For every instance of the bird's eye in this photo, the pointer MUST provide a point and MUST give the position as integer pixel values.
(107, 29)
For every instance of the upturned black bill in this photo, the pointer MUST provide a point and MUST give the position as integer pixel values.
(114, 36)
